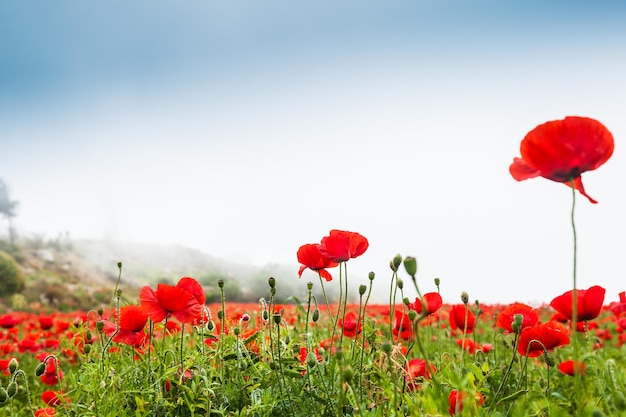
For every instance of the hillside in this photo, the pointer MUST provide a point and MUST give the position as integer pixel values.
(83, 273)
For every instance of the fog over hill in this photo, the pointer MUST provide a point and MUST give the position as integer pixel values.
(149, 264)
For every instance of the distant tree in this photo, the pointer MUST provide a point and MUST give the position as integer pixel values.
(7, 209)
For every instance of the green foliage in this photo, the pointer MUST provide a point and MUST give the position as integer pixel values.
(11, 275)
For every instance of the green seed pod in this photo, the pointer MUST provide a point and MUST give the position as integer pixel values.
(619, 400)
(88, 336)
(371, 276)
(412, 315)
(400, 283)
(3, 395)
(119, 265)
(387, 346)
(339, 353)
(316, 316)
(210, 326)
(87, 349)
(362, 289)
(13, 365)
(220, 283)
(237, 331)
(277, 318)
(220, 314)
(311, 359)
(347, 374)
(100, 326)
(309, 285)
(464, 297)
(40, 369)
(271, 281)
(410, 265)
(549, 358)
(12, 389)
(265, 315)
(437, 282)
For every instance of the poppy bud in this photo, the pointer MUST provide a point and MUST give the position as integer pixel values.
(464, 297)
(237, 331)
(272, 282)
(400, 283)
(265, 315)
(220, 314)
(119, 293)
(412, 315)
(410, 265)
(3, 395)
(394, 264)
(437, 281)
(362, 289)
(88, 336)
(347, 374)
(371, 276)
(119, 264)
(386, 346)
(99, 325)
(339, 353)
(316, 315)
(406, 301)
(87, 349)
(309, 285)
(210, 325)
(277, 318)
(549, 358)
(40, 369)
(619, 400)
(220, 283)
(311, 359)
(597, 413)
(13, 365)
(12, 389)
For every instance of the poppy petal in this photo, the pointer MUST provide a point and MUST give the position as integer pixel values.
(150, 304)
(521, 170)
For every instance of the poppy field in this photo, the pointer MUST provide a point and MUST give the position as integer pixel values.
(170, 353)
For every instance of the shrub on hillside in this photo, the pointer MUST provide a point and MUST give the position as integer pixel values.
(11, 275)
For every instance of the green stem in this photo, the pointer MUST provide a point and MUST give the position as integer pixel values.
(575, 296)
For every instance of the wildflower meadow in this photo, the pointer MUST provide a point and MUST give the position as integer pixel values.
(170, 353)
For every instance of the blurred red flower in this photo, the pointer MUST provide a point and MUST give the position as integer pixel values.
(184, 301)
(402, 326)
(44, 412)
(349, 325)
(416, 370)
(561, 150)
(50, 376)
(551, 335)
(457, 318)
(310, 257)
(341, 245)
(589, 303)
(456, 399)
(505, 317)
(568, 367)
(432, 300)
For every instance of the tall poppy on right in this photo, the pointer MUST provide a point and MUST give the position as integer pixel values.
(561, 150)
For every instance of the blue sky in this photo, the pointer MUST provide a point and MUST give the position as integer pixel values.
(246, 130)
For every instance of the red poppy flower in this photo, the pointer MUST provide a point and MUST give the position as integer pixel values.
(310, 257)
(183, 301)
(402, 325)
(131, 324)
(561, 150)
(416, 371)
(44, 412)
(457, 318)
(54, 398)
(349, 325)
(45, 322)
(570, 368)
(432, 300)
(50, 377)
(589, 303)
(506, 316)
(551, 335)
(457, 398)
(340, 245)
